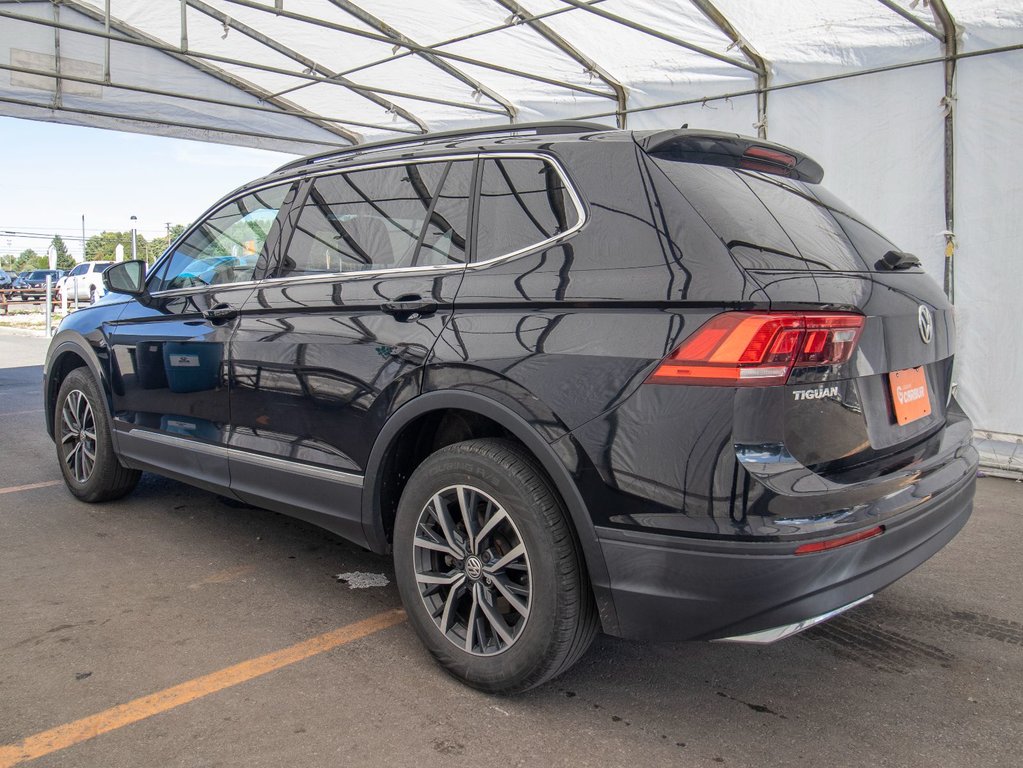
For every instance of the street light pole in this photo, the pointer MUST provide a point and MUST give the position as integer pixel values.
(134, 247)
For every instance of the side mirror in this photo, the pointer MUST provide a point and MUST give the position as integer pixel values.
(126, 277)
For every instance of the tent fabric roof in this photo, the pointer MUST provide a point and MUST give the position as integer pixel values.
(913, 107)
(301, 75)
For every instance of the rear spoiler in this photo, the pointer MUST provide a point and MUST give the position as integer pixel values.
(731, 151)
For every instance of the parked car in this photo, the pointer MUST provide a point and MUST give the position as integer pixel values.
(6, 281)
(84, 281)
(33, 284)
(655, 383)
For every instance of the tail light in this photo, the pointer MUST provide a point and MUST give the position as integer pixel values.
(751, 349)
(767, 160)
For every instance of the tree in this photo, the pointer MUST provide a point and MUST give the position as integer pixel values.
(103, 247)
(27, 259)
(64, 260)
(160, 244)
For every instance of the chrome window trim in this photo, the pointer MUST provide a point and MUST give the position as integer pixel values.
(238, 454)
(573, 195)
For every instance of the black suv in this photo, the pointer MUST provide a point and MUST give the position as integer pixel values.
(656, 383)
(33, 284)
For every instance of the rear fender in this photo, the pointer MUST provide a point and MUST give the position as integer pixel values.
(554, 462)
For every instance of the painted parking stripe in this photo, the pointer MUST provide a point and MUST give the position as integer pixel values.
(30, 486)
(64, 736)
(19, 413)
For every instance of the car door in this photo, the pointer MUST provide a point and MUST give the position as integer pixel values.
(169, 348)
(73, 279)
(330, 346)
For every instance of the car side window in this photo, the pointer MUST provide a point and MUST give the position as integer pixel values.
(81, 269)
(523, 202)
(444, 239)
(375, 219)
(228, 247)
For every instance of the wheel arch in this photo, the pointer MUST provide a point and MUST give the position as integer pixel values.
(434, 404)
(64, 356)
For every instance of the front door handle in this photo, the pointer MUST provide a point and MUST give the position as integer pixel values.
(410, 307)
(220, 313)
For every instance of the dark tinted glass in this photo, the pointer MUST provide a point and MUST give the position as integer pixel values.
(774, 223)
(815, 232)
(226, 247)
(361, 220)
(444, 238)
(522, 202)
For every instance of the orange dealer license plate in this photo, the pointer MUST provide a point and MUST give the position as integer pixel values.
(909, 394)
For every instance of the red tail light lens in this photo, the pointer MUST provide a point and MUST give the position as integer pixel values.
(744, 349)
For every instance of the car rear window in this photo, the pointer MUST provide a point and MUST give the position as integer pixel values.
(777, 224)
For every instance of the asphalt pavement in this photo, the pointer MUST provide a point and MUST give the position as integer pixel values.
(178, 628)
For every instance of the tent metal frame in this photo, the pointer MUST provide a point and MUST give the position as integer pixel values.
(305, 61)
(950, 43)
(386, 29)
(620, 95)
(413, 48)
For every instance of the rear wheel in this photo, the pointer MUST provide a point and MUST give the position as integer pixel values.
(84, 447)
(92, 294)
(489, 569)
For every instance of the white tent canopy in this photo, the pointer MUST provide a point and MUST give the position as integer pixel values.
(913, 107)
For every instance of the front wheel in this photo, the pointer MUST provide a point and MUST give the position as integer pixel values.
(84, 445)
(489, 569)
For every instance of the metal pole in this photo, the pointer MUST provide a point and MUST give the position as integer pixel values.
(84, 257)
(951, 49)
(134, 249)
(49, 306)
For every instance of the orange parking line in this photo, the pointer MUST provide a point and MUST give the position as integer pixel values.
(30, 486)
(64, 736)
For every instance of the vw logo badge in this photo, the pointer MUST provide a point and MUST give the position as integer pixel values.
(473, 568)
(925, 321)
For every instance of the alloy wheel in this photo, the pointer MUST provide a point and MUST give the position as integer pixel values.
(472, 570)
(78, 435)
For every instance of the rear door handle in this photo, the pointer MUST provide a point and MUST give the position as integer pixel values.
(405, 307)
(220, 313)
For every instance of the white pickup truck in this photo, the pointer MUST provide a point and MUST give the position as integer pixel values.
(84, 281)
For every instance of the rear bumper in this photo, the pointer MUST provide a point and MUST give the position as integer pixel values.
(677, 588)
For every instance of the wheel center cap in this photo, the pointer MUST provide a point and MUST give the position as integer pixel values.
(473, 568)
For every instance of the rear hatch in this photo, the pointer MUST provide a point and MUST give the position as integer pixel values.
(802, 250)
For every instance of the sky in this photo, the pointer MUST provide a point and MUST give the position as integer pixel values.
(52, 174)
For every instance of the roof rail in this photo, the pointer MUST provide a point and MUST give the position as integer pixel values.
(537, 129)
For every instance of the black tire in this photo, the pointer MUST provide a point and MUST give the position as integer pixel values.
(80, 405)
(555, 619)
(92, 294)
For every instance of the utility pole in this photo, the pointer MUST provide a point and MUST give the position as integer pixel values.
(84, 256)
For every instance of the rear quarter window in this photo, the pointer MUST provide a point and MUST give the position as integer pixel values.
(523, 203)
